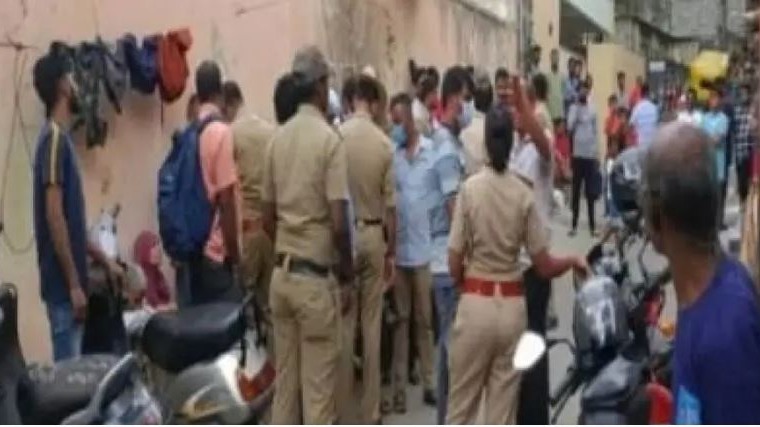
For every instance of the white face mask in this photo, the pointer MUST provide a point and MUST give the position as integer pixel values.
(468, 111)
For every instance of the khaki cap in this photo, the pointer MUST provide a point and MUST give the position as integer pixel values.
(311, 64)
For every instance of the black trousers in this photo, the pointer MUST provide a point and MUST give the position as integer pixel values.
(744, 175)
(583, 173)
(533, 404)
(211, 281)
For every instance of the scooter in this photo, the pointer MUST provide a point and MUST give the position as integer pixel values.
(95, 389)
(208, 362)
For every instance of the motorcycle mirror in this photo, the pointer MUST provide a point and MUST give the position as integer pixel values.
(530, 348)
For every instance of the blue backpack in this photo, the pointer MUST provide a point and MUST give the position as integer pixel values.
(185, 213)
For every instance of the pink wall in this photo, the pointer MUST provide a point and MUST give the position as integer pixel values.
(253, 40)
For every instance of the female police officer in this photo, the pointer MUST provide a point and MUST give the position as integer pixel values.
(494, 218)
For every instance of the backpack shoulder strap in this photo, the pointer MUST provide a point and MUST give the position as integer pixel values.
(207, 121)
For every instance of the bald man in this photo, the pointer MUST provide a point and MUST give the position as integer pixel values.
(717, 345)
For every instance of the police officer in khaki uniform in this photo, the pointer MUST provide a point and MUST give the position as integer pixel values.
(304, 198)
(251, 136)
(495, 216)
(371, 182)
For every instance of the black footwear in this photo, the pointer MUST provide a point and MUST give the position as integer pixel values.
(428, 396)
(399, 405)
(414, 379)
(385, 407)
(551, 321)
(572, 232)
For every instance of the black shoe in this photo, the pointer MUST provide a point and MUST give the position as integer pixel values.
(428, 397)
(572, 232)
(551, 321)
(414, 379)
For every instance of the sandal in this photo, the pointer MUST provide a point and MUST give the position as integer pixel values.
(385, 407)
(399, 404)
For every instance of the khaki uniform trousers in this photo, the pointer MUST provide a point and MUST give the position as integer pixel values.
(305, 318)
(256, 270)
(366, 309)
(483, 341)
(413, 301)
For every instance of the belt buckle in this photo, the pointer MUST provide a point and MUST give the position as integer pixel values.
(286, 262)
(499, 288)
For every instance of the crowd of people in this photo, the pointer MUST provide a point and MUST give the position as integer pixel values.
(424, 217)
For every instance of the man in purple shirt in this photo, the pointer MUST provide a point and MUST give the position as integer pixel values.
(717, 346)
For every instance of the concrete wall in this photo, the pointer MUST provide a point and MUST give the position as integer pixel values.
(253, 40)
(604, 62)
(546, 17)
(602, 12)
(702, 18)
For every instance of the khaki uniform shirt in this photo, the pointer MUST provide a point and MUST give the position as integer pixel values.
(370, 167)
(304, 170)
(495, 216)
(251, 136)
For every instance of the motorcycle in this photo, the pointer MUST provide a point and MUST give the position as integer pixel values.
(94, 389)
(621, 358)
(208, 362)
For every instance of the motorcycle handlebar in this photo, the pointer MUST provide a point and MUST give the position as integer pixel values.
(568, 384)
(662, 278)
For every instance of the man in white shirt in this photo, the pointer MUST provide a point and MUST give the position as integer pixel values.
(473, 137)
(645, 118)
(532, 161)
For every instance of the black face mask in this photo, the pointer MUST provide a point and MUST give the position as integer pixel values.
(74, 105)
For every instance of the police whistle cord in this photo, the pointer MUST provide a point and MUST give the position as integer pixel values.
(17, 119)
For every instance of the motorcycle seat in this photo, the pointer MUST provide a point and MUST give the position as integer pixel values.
(50, 393)
(177, 340)
(613, 386)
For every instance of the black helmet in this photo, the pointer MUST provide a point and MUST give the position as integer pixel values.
(600, 324)
(625, 182)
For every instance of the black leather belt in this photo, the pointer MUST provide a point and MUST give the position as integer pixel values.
(294, 264)
(369, 222)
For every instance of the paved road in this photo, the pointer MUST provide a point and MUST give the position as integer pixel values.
(560, 358)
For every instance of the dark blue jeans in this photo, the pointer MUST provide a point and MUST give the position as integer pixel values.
(446, 305)
(182, 284)
(65, 332)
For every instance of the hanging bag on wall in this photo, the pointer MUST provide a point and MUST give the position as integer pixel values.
(114, 71)
(141, 62)
(172, 63)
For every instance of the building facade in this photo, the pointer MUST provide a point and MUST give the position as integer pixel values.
(676, 30)
(253, 41)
